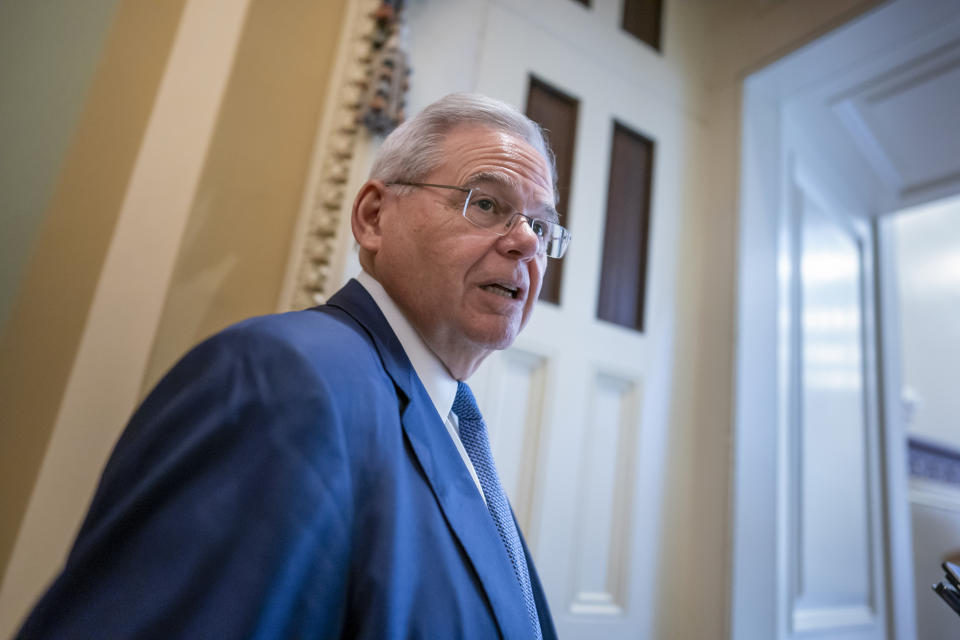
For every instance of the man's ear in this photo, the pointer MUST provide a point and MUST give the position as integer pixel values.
(366, 217)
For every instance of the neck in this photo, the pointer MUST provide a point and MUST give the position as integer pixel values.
(461, 366)
(459, 356)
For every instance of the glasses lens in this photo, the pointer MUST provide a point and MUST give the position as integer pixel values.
(486, 210)
(556, 241)
(552, 237)
(489, 211)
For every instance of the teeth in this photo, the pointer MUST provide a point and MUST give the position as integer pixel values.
(500, 290)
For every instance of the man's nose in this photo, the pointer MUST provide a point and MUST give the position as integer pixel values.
(520, 240)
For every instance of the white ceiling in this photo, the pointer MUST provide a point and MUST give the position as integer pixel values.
(907, 122)
(881, 108)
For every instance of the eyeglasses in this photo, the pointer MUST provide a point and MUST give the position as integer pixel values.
(487, 211)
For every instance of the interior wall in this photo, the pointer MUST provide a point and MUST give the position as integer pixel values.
(86, 303)
(77, 196)
(928, 274)
(48, 55)
(234, 251)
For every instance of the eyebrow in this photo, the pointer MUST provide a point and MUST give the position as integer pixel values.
(491, 177)
(499, 179)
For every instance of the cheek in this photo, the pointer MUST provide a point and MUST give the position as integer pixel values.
(419, 250)
(537, 269)
(440, 272)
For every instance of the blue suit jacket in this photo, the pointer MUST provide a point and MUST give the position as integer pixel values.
(289, 478)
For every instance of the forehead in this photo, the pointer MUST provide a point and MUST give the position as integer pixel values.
(482, 154)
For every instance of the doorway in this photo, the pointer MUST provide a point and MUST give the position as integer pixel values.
(926, 262)
(836, 137)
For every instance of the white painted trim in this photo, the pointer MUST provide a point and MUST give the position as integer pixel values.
(808, 185)
(935, 494)
(758, 447)
(850, 115)
(104, 384)
(528, 491)
(829, 619)
(901, 614)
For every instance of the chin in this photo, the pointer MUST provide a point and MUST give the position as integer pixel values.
(495, 338)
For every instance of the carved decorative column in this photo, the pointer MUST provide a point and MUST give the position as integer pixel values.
(368, 86)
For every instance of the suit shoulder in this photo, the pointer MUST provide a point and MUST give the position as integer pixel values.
(311, 331)
(297, 350)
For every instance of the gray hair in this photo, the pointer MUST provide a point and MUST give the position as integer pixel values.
(415, 148)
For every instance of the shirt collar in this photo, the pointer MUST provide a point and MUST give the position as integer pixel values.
(440, 385)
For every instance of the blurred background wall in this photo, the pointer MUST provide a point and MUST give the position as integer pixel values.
(79, 85)
(83, 84)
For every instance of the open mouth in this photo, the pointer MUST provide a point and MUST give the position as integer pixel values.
(502, 290)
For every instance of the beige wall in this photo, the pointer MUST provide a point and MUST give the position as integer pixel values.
(48, 56)
(40, 338)
(255, 154)
(234, 252)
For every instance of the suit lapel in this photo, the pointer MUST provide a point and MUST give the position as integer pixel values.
(461, 504)
(539, 597)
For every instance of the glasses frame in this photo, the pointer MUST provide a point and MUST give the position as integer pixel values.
(564, 235)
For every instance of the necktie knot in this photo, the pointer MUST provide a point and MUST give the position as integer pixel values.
(464, 404)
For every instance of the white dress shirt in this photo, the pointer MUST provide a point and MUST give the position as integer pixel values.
(440, 385)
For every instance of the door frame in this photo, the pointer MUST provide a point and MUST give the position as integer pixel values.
(760, 447)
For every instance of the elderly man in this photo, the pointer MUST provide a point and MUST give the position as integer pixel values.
(326, 473)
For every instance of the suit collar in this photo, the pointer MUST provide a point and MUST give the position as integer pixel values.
(432, 373)
(449, 480)
(359, 305)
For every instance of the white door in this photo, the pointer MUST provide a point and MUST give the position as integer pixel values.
(578, 407)
(832, 584)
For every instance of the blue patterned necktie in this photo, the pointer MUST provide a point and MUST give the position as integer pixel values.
(473, 434)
